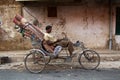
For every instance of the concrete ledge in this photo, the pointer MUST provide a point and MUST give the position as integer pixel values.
(18, 56)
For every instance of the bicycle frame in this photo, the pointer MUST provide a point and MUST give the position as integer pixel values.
(45, 53)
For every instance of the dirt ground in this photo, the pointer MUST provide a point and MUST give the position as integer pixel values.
(60, 67)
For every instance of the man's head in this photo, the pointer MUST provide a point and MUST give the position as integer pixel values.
(48, 29)
(36, 22)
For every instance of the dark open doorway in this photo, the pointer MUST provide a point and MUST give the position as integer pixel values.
(117, 32)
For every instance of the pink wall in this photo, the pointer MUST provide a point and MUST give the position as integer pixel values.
(88, 23)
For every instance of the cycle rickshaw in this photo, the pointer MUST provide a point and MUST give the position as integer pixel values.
(35, 61)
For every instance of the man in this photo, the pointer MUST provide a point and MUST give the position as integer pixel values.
(53, 44)
(49, 42)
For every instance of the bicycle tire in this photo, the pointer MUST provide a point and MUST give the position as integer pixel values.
(91, 57)
(35, 62)
(47, 61)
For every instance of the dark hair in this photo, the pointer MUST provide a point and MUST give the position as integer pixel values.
(36, 22)
(48, 27)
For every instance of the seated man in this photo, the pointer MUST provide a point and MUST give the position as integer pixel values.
(55, 45)
(49, 42)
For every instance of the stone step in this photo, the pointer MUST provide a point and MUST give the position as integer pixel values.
(103, 65)
(18, 56)
(103, 57)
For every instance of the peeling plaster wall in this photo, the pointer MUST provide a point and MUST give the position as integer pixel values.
(88, 22)
(116, 38)
(10, 39)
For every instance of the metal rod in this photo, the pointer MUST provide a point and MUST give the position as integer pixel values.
(110, 24)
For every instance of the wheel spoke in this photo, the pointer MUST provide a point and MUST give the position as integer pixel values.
(89, 59)
(35, 62)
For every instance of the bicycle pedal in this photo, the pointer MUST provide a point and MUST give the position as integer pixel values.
(54, 57)
(73, 55)
(68, 59)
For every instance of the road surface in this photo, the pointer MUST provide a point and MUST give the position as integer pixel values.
(67, 74)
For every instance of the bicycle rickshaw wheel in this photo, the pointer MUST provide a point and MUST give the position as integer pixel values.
(89, 59)
(35, 62)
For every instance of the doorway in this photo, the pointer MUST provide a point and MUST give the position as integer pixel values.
(117, 31)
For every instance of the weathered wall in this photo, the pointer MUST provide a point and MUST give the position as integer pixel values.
(116, 38)
(10, 39)
(88, 22)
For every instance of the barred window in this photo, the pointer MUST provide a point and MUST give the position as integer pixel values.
(52, 11)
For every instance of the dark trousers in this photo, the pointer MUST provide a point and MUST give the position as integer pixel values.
(68, 44)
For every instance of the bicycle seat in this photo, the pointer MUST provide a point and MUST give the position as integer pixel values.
(76, 44)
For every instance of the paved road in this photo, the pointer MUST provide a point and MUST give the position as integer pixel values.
(70, 74)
